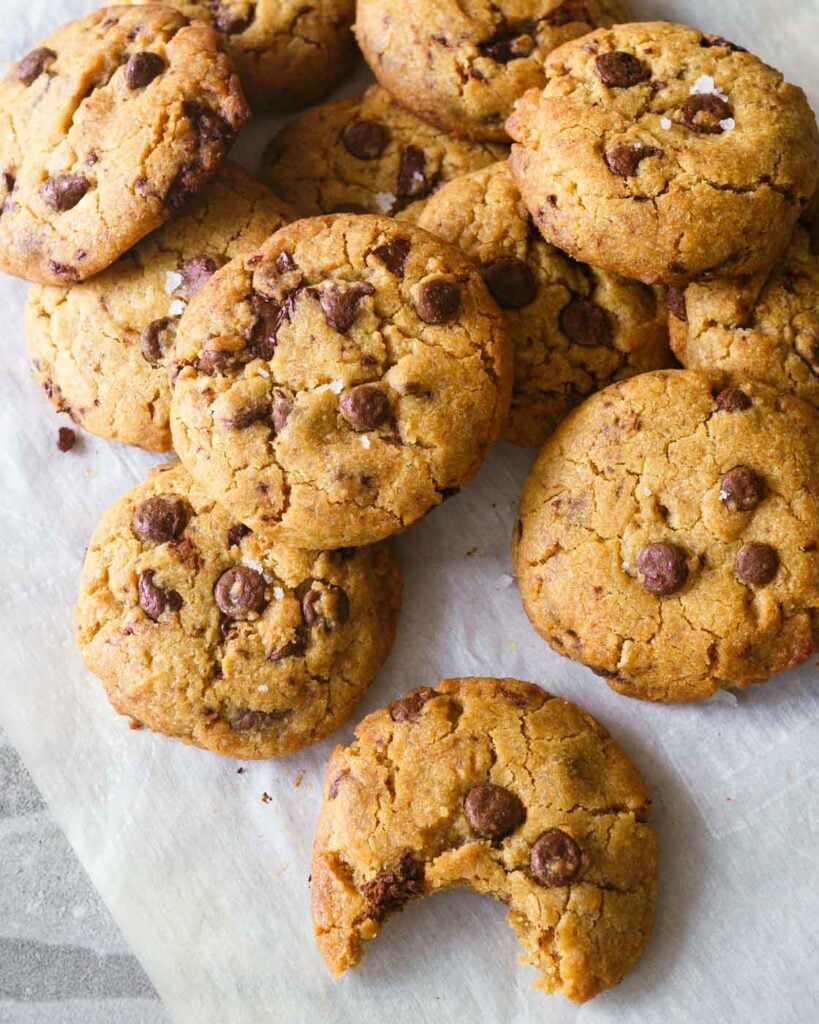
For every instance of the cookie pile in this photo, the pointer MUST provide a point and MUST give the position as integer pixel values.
(332, 351)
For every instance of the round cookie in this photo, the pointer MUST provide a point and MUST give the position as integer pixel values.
(106, 128)
(462, 66)
(669, 535)
(287, 53)
(574, 329)
(665, 154)
(366, 154)
(495, 785)
(200, 631)
(100, 348)
(341, 382)
(765, 326)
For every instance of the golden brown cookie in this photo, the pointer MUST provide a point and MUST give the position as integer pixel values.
(669, 535)
(460, 65)
(106, 128)
(335, 386)
(665, 154)
(497, 786)
(200, 631)
(366, 154)
(574, 329)
(288, 53)
(100, 348)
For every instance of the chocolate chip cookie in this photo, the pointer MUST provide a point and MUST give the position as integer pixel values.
(287, 53)
(497, 786)
(765, 326)
(366, 154)
(106, 128)
(669, 535)
(665, 154)
(100, 348)
(199, 630)
(462, 66)
(574, 329)
(341, 382)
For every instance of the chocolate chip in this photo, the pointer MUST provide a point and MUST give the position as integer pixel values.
(196, 272)
(247, 719)
(228, 21)
(64, 191)
(281, 407)
(437, 300)
(676, 303)
(733, 400)
(741, 489)
(182, 188)
(412, 178)
(756, 563)
(9, 181)
(293, 649)
(388, 892)
(159, 519)
(492, 811)
(66, 439)
(211, 362)
(236, 533)
(285, 263)
(408, 708)
(325, 604)
(625, 158)
(619, 70)
(662, 568)
(585, 323)
(703, 113)
(142, 69)
(510, 281)
(153, 599)
(508, 44)
(245, 418)
(393, 255)
(151, 342)
(34, 64)
(555, 859)
(365, 140)
(567, 12)
(240, 592)
(365, 407)
(340, 303)
(709, 40)
(210, 126)
(262, 335)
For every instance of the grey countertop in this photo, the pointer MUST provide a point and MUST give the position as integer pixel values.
(62, 958)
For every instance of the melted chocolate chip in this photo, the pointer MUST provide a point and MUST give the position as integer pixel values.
(756, 564)
(229, 22)
(412, 179)
(292, 649)
(510, 43)
(365, 407)
(241, 592)
(625, 159)
(236, 533)
(510, 281)
(196, 272)
(247, 719)
(388, 892)
(210, 126)
(710, 40)
(676, 303)
(703, 113)
(245, 418)
(66, 439)
(585, 323)
(151, 341)
(733, 400)
(285, 263)
(662, 568)
(63, 191)
(142, 69)
(741, 489)
(281, 407)
(153, 599)
(325, 604)
(340, 303)
(159, 519)
(262, 335)
(365, 140)
(34, 64)
(619, 70)
(556, 859)
(567, 12)
(393, 255)
(437, 300)
(493, 811)
(408, 708)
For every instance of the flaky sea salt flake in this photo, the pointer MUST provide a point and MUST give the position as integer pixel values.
(172, 281)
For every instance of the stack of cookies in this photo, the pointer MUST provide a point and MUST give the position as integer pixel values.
(332, 351)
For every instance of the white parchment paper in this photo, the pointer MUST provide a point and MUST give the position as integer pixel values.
(209, 883)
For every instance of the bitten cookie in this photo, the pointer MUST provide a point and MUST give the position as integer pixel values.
(573, 328)
(462, 66)
(106, 128)
(341, 382)
(100, 348)
(288, 53)
(765, 326)
(200, 631)
(669, 535)
(497, 786)
(665, 154)
(366, 154)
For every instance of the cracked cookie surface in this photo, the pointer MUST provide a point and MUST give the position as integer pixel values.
(366, 154)
(665, 154)
(335, 386)
(200, 631)
(100, 348)
(669, 535)
(461, 65)
(574, 329)
(106, 128)
(495, 785)
(765, 326)
(287, 53)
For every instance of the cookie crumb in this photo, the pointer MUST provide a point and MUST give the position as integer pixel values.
(298, 780)
(266, 798)
(134, 724)
(240, 771)
(66, 439)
